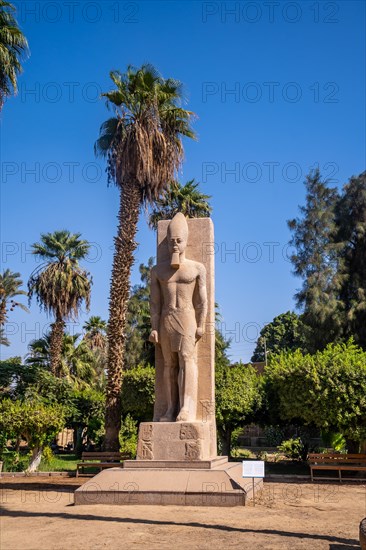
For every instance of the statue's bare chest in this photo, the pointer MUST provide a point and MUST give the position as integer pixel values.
(184, 275)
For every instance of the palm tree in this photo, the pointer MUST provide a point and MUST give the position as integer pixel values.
(143, 146)
(13, 46)
(95, 333)
(39, 352)
(77, 360)
(10, 284)
(138, 349)
(96, 339)
(181, 198)
(60, 284)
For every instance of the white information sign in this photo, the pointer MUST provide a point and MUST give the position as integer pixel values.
(253, 468)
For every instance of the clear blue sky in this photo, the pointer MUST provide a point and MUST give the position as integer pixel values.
(278, 87)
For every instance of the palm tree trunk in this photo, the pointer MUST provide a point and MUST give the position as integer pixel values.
(125, 245)
(57, 334)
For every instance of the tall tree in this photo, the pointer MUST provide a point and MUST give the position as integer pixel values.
(315, 261)
(181, 198)
(285, 332)
(96, 339)
(13, 47)
(60, 284)
(138, 349)
(143, 147)
(238, 398)
(10, 288)
(351, 219)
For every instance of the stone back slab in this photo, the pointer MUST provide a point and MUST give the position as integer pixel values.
(200, 248)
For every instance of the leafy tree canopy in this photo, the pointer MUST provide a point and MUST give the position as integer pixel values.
(327, 389)
(285, 333)
(238, 397)
(138, 393)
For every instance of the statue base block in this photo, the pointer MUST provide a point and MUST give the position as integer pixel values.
(174, 464)
(177, 441)
(222, 485)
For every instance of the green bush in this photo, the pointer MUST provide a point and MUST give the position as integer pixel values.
(262, 455)
(245, 453)
(293, 448)
(326, 390)
(14, 461)
(47, 455)
(128, 436)
(334, 440)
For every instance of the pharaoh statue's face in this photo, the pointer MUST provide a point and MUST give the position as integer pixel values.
(177, 239)
(177, 242)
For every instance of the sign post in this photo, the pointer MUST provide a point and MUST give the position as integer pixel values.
(253, 469)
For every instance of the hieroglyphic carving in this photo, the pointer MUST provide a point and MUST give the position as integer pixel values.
(193, 450)
(187, 431)
(146, 431)
(208, 410)
(146, 450)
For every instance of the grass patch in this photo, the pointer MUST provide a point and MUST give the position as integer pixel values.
(60, 463)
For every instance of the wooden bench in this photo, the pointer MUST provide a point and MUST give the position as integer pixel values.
(337, 462)
(100, 460)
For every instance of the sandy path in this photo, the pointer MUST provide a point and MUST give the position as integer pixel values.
(39, 514)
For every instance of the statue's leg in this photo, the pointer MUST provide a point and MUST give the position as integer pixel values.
(170, 382)
(188, 383)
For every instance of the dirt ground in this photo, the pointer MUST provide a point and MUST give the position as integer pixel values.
(38, 513)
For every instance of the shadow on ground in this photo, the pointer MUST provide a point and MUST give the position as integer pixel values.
(341, 543)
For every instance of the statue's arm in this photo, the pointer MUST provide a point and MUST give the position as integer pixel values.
(155, 307)
(201, 306)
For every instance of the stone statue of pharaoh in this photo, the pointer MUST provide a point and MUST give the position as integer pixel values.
(178, 313)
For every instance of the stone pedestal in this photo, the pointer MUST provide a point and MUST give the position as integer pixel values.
(177, 441)
(221, 485)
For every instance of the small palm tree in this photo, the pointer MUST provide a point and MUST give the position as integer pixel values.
(77, 360)
(10, 284)
(39, 352)
(13, 46)
(95, 333)
(60, 284)
(181, 198)
(143, 146)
